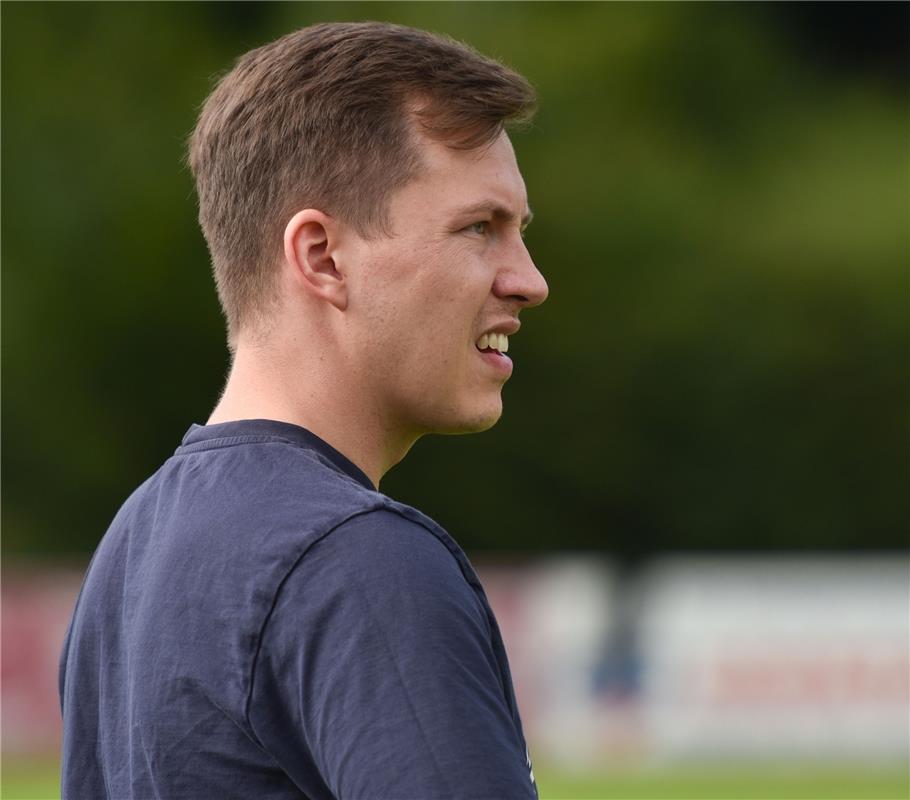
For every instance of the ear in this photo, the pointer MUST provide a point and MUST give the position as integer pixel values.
(309, 251)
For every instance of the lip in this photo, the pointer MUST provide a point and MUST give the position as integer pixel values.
(508, 327)
(499, 362)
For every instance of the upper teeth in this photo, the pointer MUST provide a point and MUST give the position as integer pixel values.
(498, 341)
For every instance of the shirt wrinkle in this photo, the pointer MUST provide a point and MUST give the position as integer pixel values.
(398, 674)
(274, 603)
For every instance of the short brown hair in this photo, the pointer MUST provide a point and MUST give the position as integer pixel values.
(322, 118)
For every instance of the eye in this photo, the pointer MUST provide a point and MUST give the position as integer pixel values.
(480, 228)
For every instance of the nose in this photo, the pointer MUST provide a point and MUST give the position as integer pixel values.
(519, 279)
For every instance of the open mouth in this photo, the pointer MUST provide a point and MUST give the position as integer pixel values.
(492, 348)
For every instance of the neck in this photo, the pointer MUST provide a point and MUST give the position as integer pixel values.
(306, 392)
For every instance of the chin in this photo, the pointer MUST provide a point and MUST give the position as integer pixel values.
(477, 422)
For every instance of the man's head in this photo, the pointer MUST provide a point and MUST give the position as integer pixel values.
(325, 118)
(357, 179)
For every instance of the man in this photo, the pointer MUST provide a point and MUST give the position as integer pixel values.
(260, 621)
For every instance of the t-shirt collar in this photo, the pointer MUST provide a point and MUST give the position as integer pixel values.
(246, 429)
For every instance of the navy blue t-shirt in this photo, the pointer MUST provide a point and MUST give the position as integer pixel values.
(260, 622)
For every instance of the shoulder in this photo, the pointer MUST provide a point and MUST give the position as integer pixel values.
(387, 545)
(258, 501)
(379, 586)
(384, 569)
(381, 661)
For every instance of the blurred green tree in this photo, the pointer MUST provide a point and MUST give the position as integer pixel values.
(721, 211)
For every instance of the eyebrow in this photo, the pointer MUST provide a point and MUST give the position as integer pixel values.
(499, 212)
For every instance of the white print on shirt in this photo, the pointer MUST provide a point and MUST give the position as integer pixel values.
(530, 768)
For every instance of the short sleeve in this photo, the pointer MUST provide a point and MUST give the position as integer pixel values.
(376, 675)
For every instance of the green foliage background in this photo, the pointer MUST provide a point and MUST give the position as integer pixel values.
(721, 212)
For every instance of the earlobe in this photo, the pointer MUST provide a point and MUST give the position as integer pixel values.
(309, 253)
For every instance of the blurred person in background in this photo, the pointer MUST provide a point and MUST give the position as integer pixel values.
(259, 620)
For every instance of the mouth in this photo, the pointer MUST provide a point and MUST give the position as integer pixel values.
(492, 348)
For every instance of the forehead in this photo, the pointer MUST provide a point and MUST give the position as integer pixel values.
(455, 179)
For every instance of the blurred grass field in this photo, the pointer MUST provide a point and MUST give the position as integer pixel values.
(39, 781)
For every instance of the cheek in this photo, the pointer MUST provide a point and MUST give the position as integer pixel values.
(424, 302)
